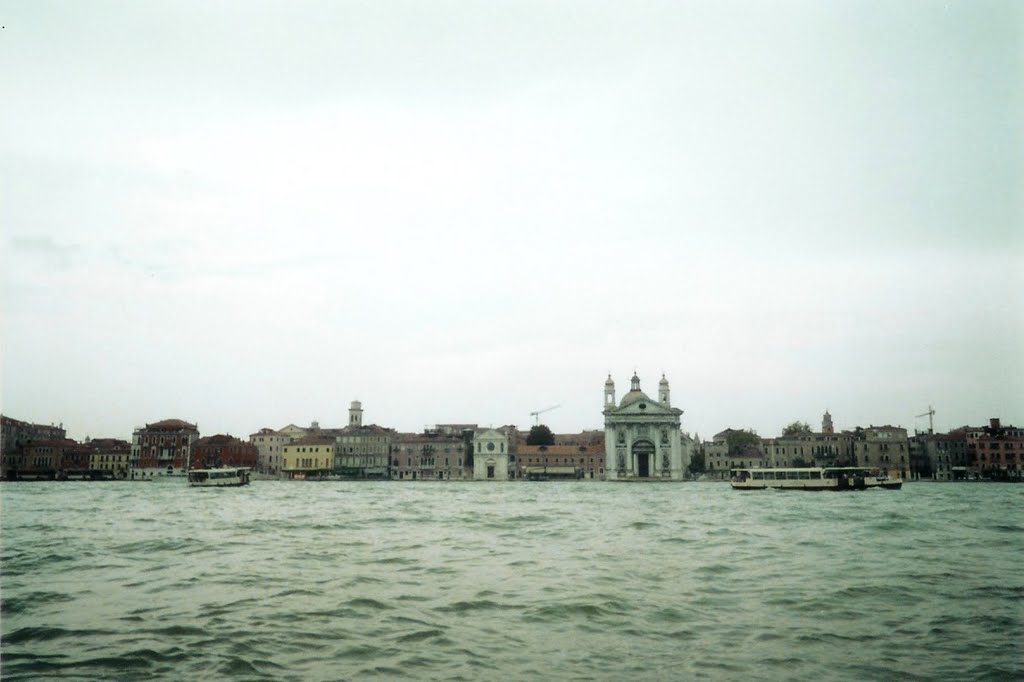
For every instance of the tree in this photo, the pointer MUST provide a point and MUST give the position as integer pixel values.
(796, 429)
(741, 442)
(697, 463)
(540, 435)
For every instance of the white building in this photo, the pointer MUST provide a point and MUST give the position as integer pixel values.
(490, 456)
(642, 436)
(270, 446)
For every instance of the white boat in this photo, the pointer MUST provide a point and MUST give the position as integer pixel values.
(814, 478)
(218, 478)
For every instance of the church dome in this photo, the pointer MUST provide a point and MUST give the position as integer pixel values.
(633, 397)
(664, 381)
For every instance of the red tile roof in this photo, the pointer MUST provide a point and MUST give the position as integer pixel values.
(173, 424)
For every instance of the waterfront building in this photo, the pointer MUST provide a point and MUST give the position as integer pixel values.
(824, 448)
(560, 461)
(490, 455)
(39, 458)
(361, 451)
(723, 454)
(939, 456)
(311, 457)
(74, 460)
(223, 451)
(15, 434)
(592, 437)
(296, 432)
(435, 454)
(642, 436)
(110, 456)
(949, 462)
(882, 447)
(996, 451)
(164, 447)
(270, 446)
(584, 452)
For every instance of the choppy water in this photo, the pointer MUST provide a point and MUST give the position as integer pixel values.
(326, 581)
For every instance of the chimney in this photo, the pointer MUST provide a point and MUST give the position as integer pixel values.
(994, 423)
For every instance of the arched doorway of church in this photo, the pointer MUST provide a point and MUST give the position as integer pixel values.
(643, 453)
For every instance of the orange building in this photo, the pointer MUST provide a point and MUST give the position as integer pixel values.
(431, 455)
(165, 445)
(40, 459)
(997, 451)
(560, 461)
(223, 451)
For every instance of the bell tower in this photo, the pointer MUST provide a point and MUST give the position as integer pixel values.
(663, 391)
(609, 392)
(826, 423)
(355, 414)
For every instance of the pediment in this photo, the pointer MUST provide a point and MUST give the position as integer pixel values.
(643, 408)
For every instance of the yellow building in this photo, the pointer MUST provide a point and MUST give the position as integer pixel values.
(110, 455)
(311, 457)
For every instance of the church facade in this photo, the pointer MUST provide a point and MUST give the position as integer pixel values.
(643, 440)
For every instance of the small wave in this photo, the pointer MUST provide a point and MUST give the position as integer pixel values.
(297, 592)
(720, 665)
(476, 605)
(527, 518)
(367, 603)
(361, 652)
(670, 615)
(440, 570)
(683, 635)
(13, 605)
(236, 666)
(640, 525)
(820, 637)
(569, 611)
(420, 636)
(156, 546)
(716, 569)
(676, 541)
(45, 634)
(177, 631)
(385, 671)
(1008, 592)
(391, 561)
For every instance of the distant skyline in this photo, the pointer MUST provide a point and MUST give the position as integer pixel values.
(250, 215)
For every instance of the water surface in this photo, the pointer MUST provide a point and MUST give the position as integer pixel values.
(477, 581)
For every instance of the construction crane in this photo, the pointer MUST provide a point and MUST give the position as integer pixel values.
(536, 415)
(930, 413)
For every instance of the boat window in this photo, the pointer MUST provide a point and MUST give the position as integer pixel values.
(758, 475)
(805, 475)
(769, 475)
(793, 475)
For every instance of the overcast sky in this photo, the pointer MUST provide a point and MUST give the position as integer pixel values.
(249, 214)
